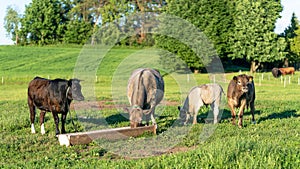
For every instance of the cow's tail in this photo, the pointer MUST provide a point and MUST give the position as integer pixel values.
(140, 81)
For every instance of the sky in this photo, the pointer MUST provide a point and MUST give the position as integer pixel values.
(289, 6)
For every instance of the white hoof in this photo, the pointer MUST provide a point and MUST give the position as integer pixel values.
(254, 122)
(43, 129)
(32, 129)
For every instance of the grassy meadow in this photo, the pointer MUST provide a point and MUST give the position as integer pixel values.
(274, 142)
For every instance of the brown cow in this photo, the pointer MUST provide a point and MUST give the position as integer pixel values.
(241, 93)
(287, 70)
(52, 96)
(277, 72)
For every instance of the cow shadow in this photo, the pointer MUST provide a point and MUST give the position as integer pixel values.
(92, 120)
(280, 115)
(207, 116)
(165, 122)
(224, 115)
(117, 118)
(110, 120)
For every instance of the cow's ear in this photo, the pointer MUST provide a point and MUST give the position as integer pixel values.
(146, 111)
(126, 109)
(250, 78)
(70, 82)
(234, 78)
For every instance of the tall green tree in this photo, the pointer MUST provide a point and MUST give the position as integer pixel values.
(41, 21)
(213, 18)
(290, 35)
(253, 38)
(295, 44)
(289, 32)
(89, 15)
(12, 23)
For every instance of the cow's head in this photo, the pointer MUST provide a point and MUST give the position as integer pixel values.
(183, 115)
(242, 82)
(74, 92)
(276, 72)
(135, 116)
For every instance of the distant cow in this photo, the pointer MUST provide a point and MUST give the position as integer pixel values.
(277, 72)
(241, 93)
(144, 91)
(52, 96)
(207, 94)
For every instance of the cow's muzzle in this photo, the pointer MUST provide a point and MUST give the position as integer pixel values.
(245, 89)
(78, 98)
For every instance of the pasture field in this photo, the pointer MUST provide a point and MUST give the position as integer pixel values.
(274, 142)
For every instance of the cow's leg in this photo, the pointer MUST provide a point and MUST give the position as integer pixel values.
(195, 118)
(32, 114)
(195, 113)
(215, 109)
(241, 113)
(152, 116)
(188, 116)
(196, 109)
(252, 108)
(63, 121)
(231, 106)
(56, 121)
(147, 119)
(42, 119)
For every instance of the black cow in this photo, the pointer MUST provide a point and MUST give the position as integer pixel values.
(52, 96)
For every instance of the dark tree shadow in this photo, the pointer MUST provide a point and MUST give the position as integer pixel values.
(280, 115)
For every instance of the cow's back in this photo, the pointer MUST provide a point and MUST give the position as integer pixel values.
(37, 88)
(48, 95)
(210, 93)
(145, 83)
(154, 85)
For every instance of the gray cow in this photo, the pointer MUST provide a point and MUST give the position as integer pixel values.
(144, 91)
(206, 94)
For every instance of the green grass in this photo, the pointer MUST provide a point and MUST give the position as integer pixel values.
(274, 142)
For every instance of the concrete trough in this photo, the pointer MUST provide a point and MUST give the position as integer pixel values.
(109, 134)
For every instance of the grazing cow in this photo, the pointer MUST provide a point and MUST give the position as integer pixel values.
(241, 93)
(207, 94)
(277, 72)
(287, 70)
(144, 91)
(52, 96)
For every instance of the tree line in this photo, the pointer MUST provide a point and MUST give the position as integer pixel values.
(241, 31)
